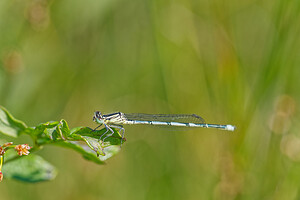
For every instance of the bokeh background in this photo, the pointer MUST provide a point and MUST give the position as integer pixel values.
(231, 62)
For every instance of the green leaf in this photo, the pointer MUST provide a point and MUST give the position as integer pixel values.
(84, 150)
(115, 139)
(109, 152)
(40, 129)
(9, 125)
(93, 149)
(64, 129)
(106, 149)
(92, 138)
(80, 131)
(94, 144)
(51, 131)
(31, 168)
(90, 154)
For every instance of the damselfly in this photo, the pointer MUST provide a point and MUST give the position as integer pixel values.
(116, 120)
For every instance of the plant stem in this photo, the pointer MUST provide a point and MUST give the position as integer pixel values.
(1, 162)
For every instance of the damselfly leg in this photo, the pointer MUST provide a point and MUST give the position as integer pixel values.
(121, 130)
(107, 130)
(97, 127)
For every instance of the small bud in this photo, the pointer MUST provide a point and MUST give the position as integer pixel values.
(3, 148)
(7, 144)
(2, 151)
(22, 149)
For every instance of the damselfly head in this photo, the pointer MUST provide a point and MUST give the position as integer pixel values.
(97, 115)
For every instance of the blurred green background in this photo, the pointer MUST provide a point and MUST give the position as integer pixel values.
(231, 62)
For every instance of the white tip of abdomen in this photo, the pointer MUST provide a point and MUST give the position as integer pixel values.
(230, 128)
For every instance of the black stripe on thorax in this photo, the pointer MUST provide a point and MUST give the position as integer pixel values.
(112, 115)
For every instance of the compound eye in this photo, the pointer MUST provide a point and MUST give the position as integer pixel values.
(98, 114)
